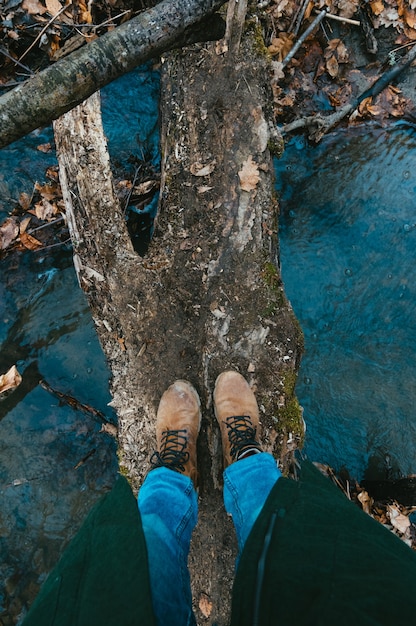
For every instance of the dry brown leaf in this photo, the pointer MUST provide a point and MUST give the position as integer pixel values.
(366, 501)
(197, 169)
(249, 175)
(24, 224)
(377, 7)
(410, 18)
(205, 604)
(110, 429)
(34, 7)
(280, 46)
(145, 187)
(9, 230)
(399, 521)
(45, 210)
(44, 147)
(85, 15)
(332, 66)
(49, 190)
(24, 200)
(347, 8)
(53, 6)
(10, 380)
(29, 242)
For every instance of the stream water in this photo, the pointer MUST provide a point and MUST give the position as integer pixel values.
(348, 255)
(54, 462)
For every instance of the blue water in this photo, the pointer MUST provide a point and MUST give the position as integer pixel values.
(348, 253)
(47, 331)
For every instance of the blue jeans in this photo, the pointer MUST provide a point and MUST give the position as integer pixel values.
(168, 507)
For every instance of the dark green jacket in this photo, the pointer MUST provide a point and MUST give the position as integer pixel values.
(102, 578)
(313, 558)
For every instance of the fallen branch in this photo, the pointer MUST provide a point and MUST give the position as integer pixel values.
(320, 125)
(77, 405)
(60, 87)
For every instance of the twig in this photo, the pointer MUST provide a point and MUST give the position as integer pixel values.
(34, 230)
(111, 19)
(74, 403)
(44, 29)
(136, 173)
(86, 457)
(338, 18)
(53, 245)
(298, 19)
(304, 36)
(9, 56)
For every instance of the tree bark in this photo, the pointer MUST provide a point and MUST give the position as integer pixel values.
(208, 295)
(47, 95)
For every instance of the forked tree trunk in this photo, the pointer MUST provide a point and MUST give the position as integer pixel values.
(208, 294)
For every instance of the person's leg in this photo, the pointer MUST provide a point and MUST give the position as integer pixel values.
(247, 484)
(249, 473)
(168, 504)
(169, 508)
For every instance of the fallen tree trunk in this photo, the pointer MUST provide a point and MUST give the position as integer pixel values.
(47, 95)
(208, 295)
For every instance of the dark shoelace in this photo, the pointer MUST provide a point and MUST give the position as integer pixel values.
(172, 451)
(241, 434)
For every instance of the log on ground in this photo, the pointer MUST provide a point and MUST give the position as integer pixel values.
(208, 295)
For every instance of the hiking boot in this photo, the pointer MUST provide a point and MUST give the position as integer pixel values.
(178, 422)
(237, 413)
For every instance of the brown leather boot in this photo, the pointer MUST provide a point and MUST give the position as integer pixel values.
(237, 413)
(178, 422)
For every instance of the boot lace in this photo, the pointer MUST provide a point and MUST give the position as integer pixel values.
(172, 451)
(241, 434)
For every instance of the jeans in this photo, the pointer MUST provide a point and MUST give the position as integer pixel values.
(168, 507)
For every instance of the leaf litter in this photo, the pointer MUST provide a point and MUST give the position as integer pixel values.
(332, 66)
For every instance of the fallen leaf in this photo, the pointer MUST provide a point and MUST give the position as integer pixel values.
(53, 6)
(34, 7)
(10, 380)
(49, 190)
(377, 7)
(332, 67)
(347, 8)
(24, 200)
(44, 147)
(197, 169)
(24, 224)
(205, 604)
(399, 521)
(145, 187)
(281, 45)
(110, 429)
(9, 230)
(45, 210)
(366, 501)
(29, 242)
(204, 189)
(249, 175)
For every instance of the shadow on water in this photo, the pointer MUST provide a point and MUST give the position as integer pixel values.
(54, 462)
(348, 248)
